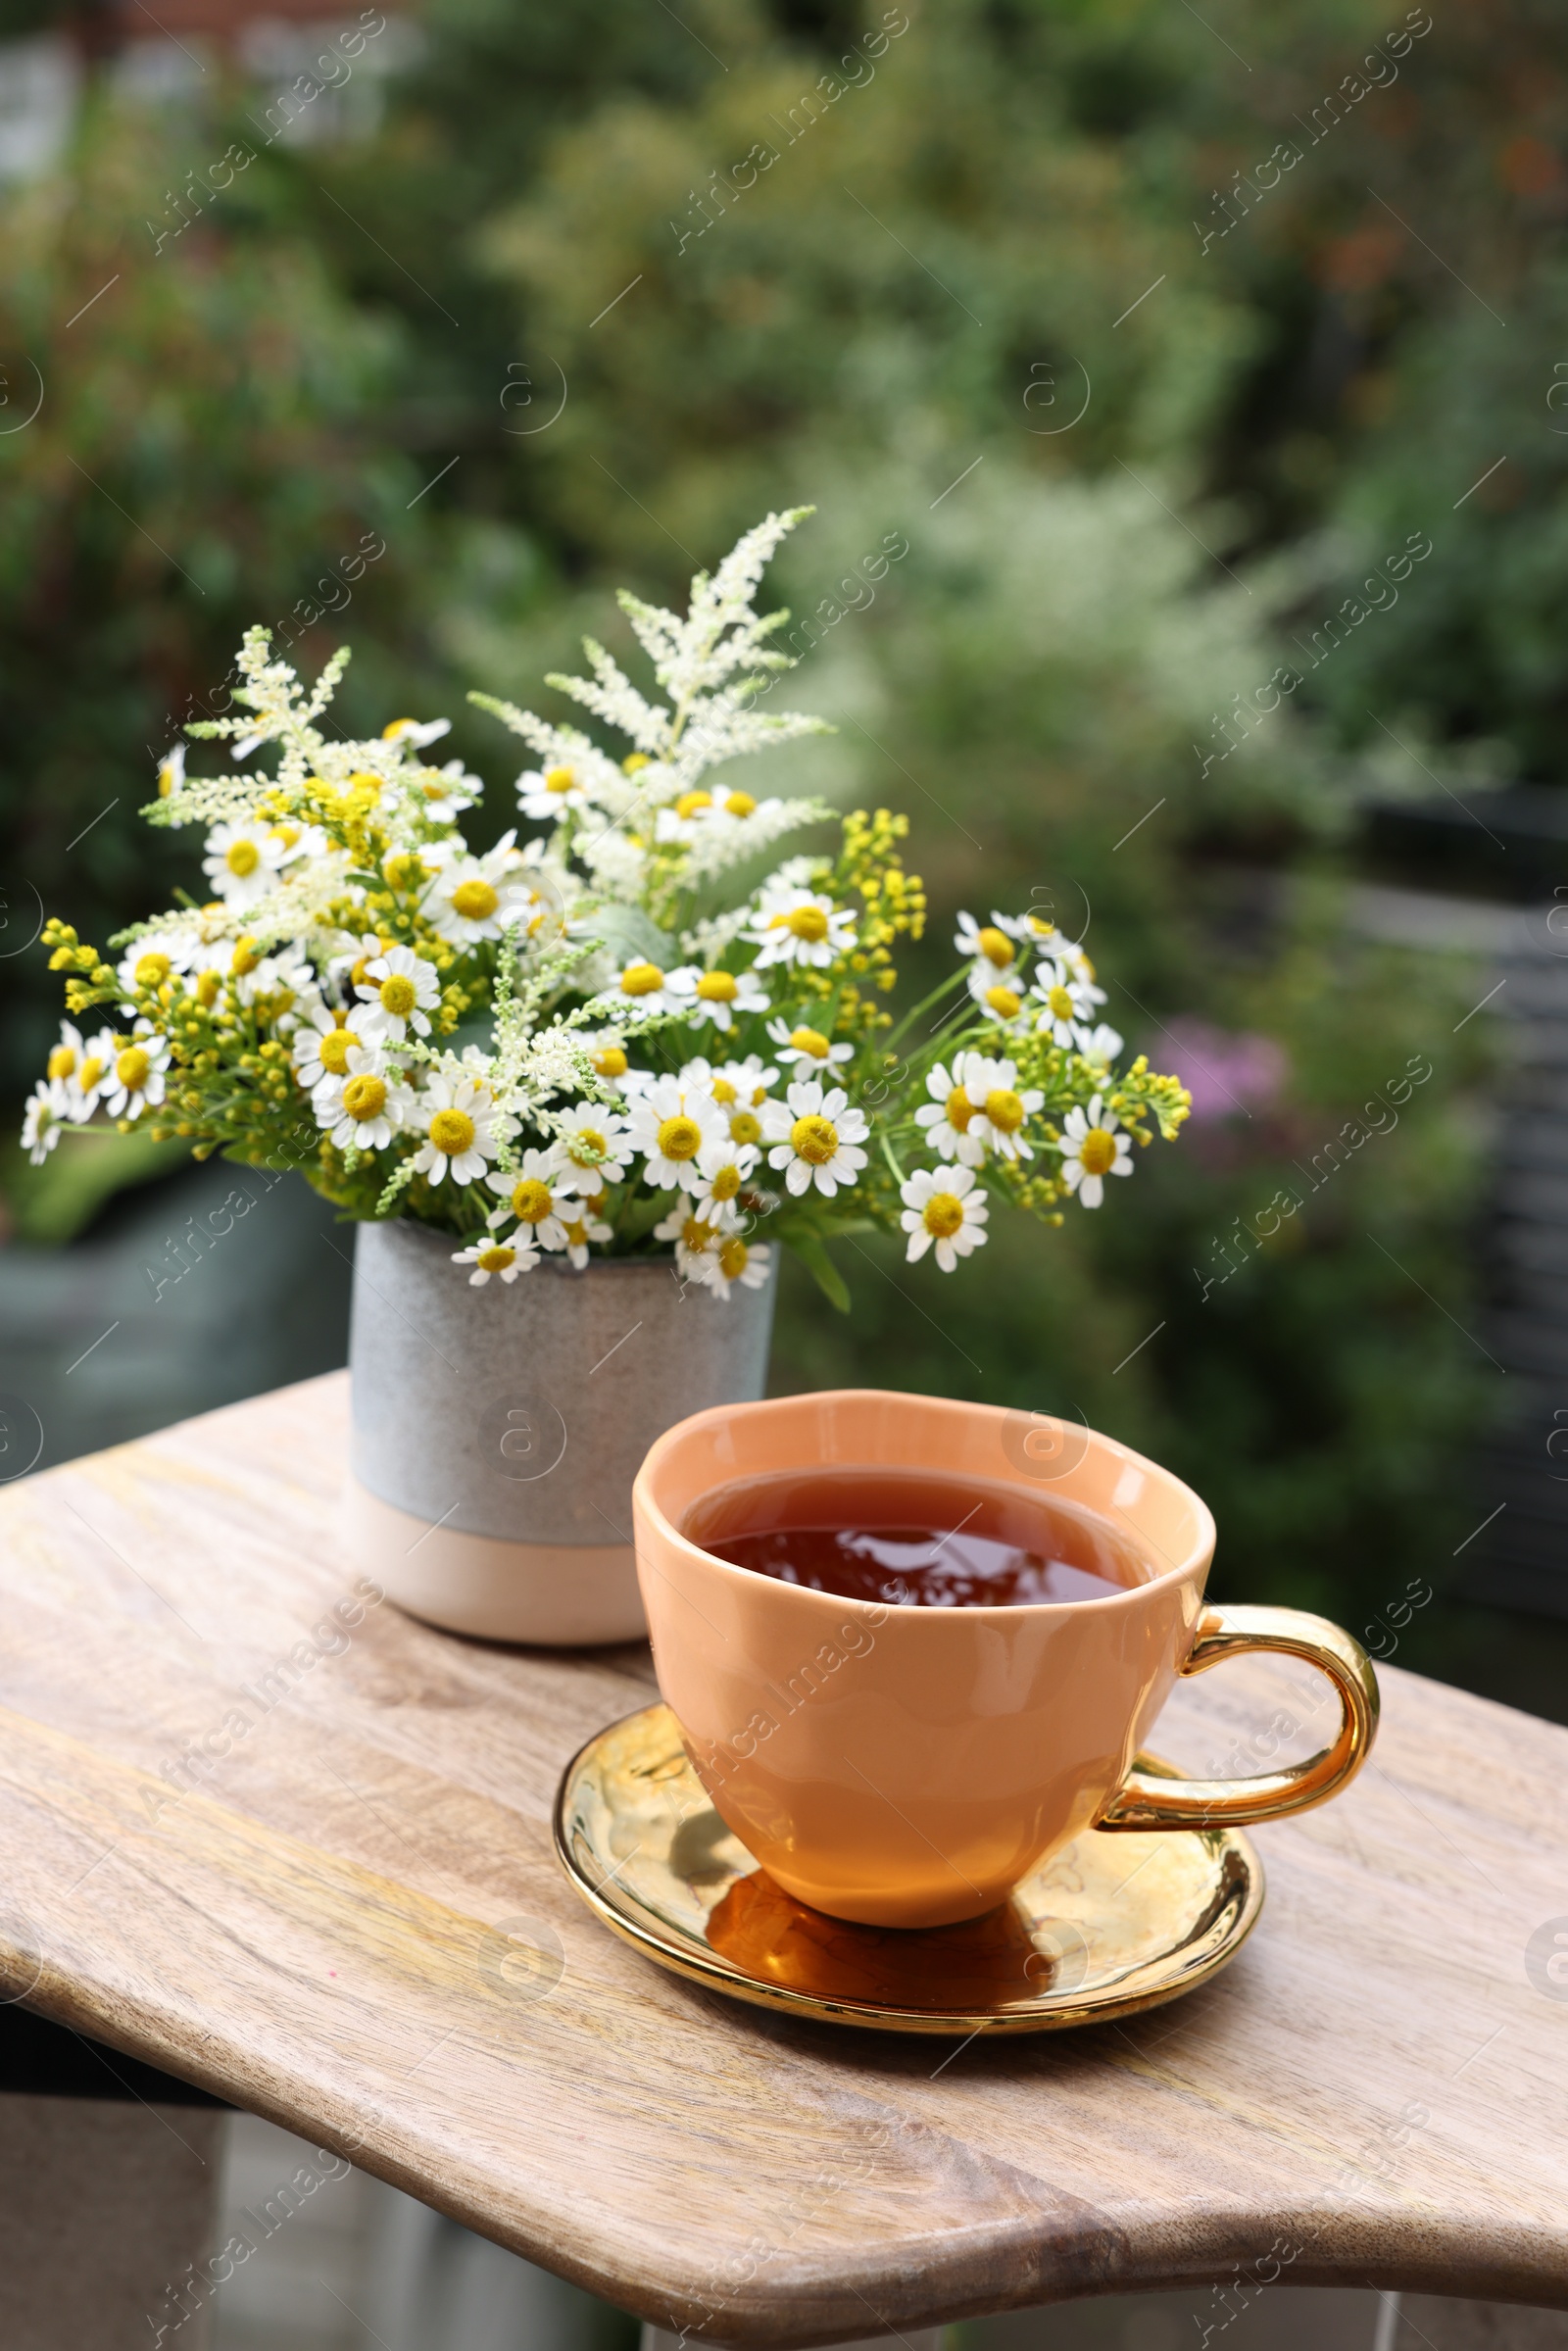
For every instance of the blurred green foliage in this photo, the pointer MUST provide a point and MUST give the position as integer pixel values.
(1018, 280)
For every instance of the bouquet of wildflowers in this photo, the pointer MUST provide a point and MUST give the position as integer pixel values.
(634, 1030)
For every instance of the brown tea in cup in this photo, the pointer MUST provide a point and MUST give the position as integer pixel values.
(913, 1538)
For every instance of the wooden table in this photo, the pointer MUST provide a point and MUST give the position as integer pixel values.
(285, 1853)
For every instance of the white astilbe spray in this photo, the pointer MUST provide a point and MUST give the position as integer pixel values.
(710, 666)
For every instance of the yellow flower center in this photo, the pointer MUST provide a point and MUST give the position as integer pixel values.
(739, 804)
(587, 1146)
(92, 1069)
(679, 1138)
(333, 1051)
(610, 1062)
(1060, 1003)
(816, 1139)
(405, 871)
(532, 1203)
(1004, 1109)
(560, 779)
(390, 734)
(165, 781)
(726, 1183)
(474, 899)
(805, 923)
(207, 989)
(285, 835)
(690, 801)
(152, 970)
(960, 1110)
(496, 1259)
(641, 979)
(452, 1133)
(717, 988)
(942, 1215)
(364, 1096)
(746, 1127)
(733, 1257)
(62, 1062)
(996, 947)
(399, 996)
(1096, 1154)
(362, 780)
(1003, 1002)
(695, 1235)
(810, 1040)
(577, 1233)
(722, 1091)
(634, 762)
(133, 1067)
(247, 955)
(242, 857)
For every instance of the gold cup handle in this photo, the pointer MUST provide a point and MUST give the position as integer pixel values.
(1149, 1799)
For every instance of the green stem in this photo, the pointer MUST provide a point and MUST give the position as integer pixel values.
(924, 1005)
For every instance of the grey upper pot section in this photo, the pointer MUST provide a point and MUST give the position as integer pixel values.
(523, 1410)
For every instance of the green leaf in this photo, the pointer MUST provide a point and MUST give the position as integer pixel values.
(827, 1275)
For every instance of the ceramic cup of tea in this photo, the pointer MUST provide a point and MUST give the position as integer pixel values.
(914, 1645)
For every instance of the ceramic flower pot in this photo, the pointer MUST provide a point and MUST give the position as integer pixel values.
(497, 1431)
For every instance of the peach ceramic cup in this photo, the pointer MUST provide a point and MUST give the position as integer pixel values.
(907, 1766)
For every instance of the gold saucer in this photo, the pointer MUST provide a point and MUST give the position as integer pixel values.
(1113, 1923)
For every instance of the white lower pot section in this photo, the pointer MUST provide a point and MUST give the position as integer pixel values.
(558, 1595)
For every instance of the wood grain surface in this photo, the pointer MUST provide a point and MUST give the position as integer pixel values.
(329, 1921)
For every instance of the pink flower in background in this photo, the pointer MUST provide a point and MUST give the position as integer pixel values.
(1225, 1073)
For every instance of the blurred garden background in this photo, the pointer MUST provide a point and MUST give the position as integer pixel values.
(1212, 369)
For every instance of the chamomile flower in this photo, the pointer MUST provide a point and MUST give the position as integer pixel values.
(607, 1054)
(413, 735)
(474, 897)
(398, 991)
(243, 860)
(364, 1108)
(991, 948)
(1002, 1000)
(696, 1241)
(582, 1227)
(950, 1114)
(322, 1042)
(1069, 1001)
(672, 1123)
(171, 771)
(717, 996)
(806, 1046)
(464, 1128)
(547, 794)
(443, 793)
(739, 1089)
(641, 987)
(591, 1147)
(737, 1259)
(999, 1119)
(816, 1138)
(137, 1082)
(43, 1119)
(159, 957)
(93, 1072)
(81, 1069)
(506, 1258)
(943, 1207)
(533, 1198)
(800, 927)
(1091, 1150)
(723, 1175)
(1102, 1044)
